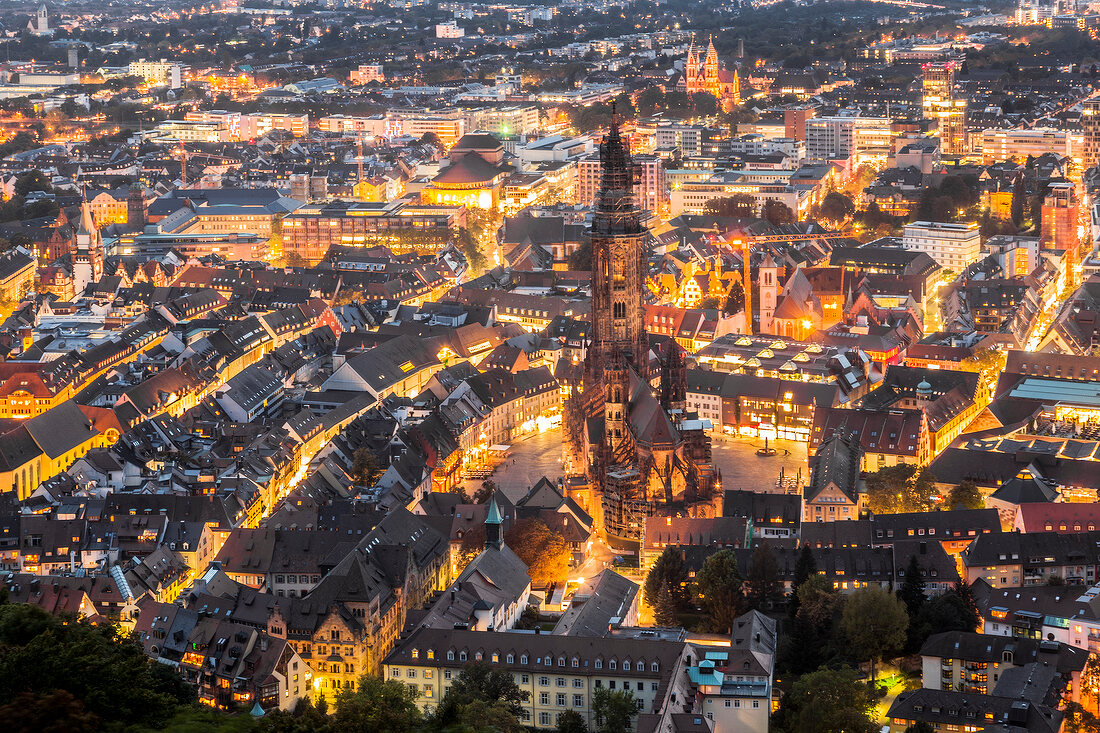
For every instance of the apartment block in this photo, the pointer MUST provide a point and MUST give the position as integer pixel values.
(954, 246)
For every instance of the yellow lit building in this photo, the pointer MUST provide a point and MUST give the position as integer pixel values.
(44, 446)
(474, 177)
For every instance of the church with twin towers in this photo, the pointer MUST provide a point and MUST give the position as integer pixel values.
(711, 76)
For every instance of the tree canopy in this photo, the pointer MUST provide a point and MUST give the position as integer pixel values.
(81, 676)
(739, 205)
(965, 495)
(874, 623)
(827, 701)
(721, 587)
(545, 551)
(900, 488)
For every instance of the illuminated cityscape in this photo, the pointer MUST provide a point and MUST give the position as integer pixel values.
(608, 367)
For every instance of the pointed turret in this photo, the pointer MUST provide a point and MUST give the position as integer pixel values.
(711, 84)
(691, 68)
(87, 222)
(88, 257)
(494, 526)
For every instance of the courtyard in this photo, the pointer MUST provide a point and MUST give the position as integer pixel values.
(735, 457)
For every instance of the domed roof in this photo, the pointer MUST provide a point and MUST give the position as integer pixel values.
(924, 387)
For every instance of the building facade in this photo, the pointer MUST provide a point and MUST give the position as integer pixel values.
(954, 246)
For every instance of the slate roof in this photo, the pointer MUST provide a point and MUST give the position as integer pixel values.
(600, 603)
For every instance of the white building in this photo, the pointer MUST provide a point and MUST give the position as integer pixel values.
(998, 145)
(158, 73)
(554, 149)
(840, 137)
(735, 684)
(513, 119)
(450, 29)
(368, 73)
(793, 150)
(692, 197)
(954, 246)
(189, 131)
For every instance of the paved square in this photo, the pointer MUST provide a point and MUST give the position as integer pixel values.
(540, 455)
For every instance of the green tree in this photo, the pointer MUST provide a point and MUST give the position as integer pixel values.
(912, 595)
(946, 612)
(481, 693)
(56, 710)
(742, 115)
(1079, 720)
(32, 181)
(735, 299)
(108, 677)
(874, 622)
(739, 206)
(899, 488)
(777, 213)
(1019, 196)
(1037, 213)
(668, 571)
(965, 495)
(305, 718)
(912, 588)
(545, 551)
(386, 706)
(613, 710)
(720, 585)
(828, 701)
(664, 607)
(818, 602)
(580, 259)
(570, 721)
(762, 586)
(1090, 681)
(920, 727)
(650, 101)
(803, 570)
(468, 244)
(364, 467)
(836, 208)
(711, 302)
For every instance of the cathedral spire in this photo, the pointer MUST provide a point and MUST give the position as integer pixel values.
(618, 266)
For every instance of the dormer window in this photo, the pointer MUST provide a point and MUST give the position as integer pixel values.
(450, 655)
(415, 653)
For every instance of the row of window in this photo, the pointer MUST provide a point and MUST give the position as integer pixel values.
(298, 579)
(735, 704)
(525, 679)
(547, 661)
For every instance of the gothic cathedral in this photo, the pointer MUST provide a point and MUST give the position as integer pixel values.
(712, 77)
(630, 448)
